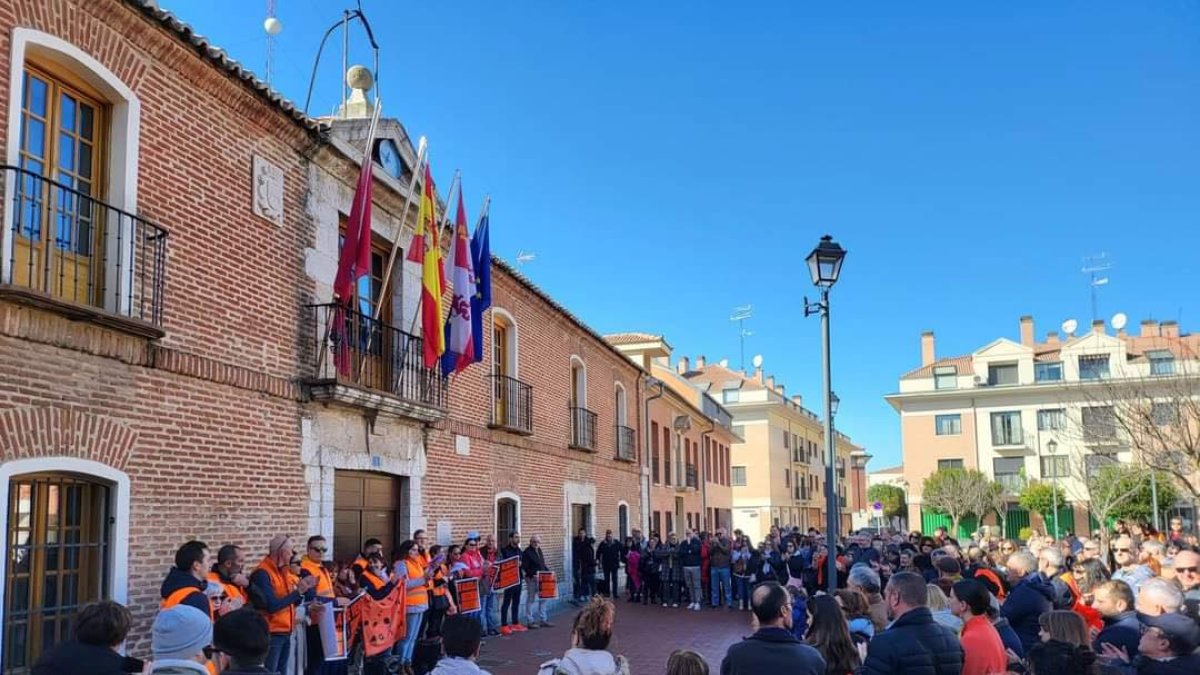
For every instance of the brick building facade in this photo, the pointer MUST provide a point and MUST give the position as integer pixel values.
(147, 394)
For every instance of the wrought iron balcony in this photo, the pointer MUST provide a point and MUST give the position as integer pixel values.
(512, 407)
(65, 245)
(626, 443)
(583, 429)
(358, 360)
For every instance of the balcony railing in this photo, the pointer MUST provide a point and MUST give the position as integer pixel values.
(345, 347)
(583, 428)
(513, 404)
(65, 244)
(693, 477)
(625, 443)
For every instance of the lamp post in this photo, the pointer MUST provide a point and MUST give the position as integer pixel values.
(824, 265)
(1052, 446)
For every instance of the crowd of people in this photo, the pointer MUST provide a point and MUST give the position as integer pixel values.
(902, 604)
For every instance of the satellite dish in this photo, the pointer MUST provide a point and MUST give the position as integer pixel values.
(757, 361)
(1069, 326)
(1119, 320)
(272, 26)
(724, 363)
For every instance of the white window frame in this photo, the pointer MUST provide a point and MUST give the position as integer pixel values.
(581, 395)
(496, 508)
(122, 148)
(622, 403)
(956, 428)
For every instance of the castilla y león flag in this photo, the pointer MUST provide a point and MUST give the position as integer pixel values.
(460, 347)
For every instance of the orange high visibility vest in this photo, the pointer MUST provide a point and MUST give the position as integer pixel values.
(376, 582)
(419, 596)
(178, 596)
(324, 582)
(280, 622)
(232, 591)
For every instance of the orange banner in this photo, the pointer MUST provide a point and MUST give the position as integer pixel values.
(468, 595)
(509, 574)
(547, 585)
(381, 621)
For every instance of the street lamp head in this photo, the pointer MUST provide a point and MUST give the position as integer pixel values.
(1052, 446)
(825, 262)
(833, 403)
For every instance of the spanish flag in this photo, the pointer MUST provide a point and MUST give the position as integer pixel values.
(427, 250)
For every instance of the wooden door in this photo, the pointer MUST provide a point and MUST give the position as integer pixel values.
(365, 505)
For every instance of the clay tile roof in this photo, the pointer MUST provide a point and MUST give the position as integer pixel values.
(723, 378)
(219, 58)
(963, 363)
(632, 338)
(891, 469)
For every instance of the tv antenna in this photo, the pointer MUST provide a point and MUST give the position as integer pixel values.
(524, 257)
(740, 314)
(272, 26)
(1095, 266)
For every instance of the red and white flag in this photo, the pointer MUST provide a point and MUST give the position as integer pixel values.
(460, 348)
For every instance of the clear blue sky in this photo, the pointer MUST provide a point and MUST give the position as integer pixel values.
(667, 161)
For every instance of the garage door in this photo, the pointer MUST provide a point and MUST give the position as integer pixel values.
(365, 505)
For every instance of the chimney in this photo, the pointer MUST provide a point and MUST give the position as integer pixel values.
(927, 356)
(771, 382)
(758, 374)
(1027, 330)
(780, 390)
(700, 362)
(1098, 326)
(1149, 328)
(683, 365)
(1169, 329)
(1052, 337)
(798, 400)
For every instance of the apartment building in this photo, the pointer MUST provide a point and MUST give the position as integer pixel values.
(778, 470)
(1028, 409)
(689, 440)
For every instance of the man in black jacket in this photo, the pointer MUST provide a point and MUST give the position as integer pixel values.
(1114, 600)
(609, 553)
(583, 565)
(1030, 598)
(914, 644)
(532, 562)
(773, 649)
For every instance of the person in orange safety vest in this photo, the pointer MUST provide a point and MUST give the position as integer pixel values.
(228, 574)
(186, 583)
(276, 596)
(322, 592)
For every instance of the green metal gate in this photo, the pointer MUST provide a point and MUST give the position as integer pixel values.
(931, 521)
(1015, 519)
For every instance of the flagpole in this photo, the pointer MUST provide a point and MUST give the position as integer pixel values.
(455, 183)
(412, 327)
(422, 157)
(371, 129)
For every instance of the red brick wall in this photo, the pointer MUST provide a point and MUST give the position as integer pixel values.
(234, 281)
(462, 489)
(206, 422)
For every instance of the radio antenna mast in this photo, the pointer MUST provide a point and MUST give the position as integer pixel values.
(740, 314)
(1095, 266)
(272, 27)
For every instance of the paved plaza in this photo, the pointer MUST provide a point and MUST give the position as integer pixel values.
(644, 635)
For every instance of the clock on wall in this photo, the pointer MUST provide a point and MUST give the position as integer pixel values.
(387, 153)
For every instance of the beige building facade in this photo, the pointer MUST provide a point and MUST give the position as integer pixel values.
(1050, 410)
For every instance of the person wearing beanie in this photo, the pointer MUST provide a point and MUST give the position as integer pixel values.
(948, 568)
(178, 641)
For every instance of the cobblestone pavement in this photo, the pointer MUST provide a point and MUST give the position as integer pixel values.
(645, 635)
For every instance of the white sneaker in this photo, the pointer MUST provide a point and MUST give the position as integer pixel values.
(675, 605)
(665, 604)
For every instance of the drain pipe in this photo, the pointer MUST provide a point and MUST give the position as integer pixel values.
(645, 464)
(712, 427)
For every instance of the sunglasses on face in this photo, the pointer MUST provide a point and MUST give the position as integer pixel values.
(1186, 570)
(1123, 550)
(317, 549)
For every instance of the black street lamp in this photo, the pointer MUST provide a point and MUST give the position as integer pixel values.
(825, 266)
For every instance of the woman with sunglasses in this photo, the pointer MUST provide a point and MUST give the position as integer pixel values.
(1087, 575)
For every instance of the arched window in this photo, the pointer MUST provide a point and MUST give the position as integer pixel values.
(578, 383)
(622, 520)
(620, 409)
(504, 343)
(508, 516)
(66, 544)
(75, 124)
